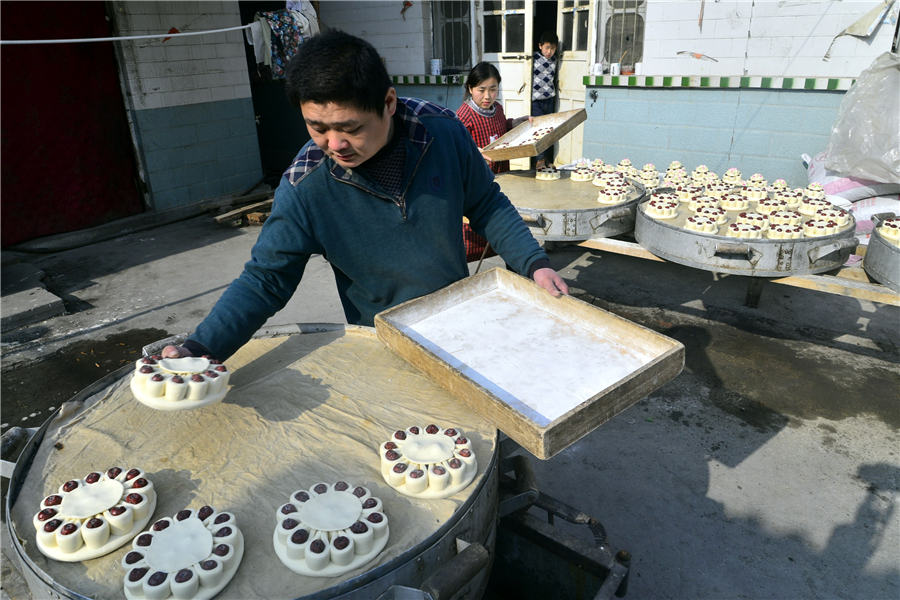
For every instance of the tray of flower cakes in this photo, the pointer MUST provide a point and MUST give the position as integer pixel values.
(592, 200)
(530, 138)
(153, 483)
(744, 226)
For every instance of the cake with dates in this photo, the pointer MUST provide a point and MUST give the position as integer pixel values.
(890, 230)
(715, 213)
(179, 383)
(701, 224)
(819, 227)
(790, 197)
(193, 554)
(810, 206)
(93, 516)
(696, 203)
(784, 232)
(583, 174)
(785, 217)
(550, 173)
(767, 206)
(661, 209)
(743, 230)
(329, 529)
(815, 191)
(734, 202)
(428, 462)
(612, 195)
(732, 177)
(754, 192)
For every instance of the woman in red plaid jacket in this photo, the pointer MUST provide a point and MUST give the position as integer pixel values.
(483, 117)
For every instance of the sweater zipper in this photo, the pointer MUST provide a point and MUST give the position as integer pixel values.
(401, 201)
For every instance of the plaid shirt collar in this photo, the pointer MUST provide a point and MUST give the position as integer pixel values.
(412, 128)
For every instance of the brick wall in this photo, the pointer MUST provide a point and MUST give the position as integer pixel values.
(754, 130)
(190, 101)
(405, 44)
(761, 38)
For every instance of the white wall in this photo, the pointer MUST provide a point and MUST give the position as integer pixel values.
(761, 37)
(405, 44)
(182, 70)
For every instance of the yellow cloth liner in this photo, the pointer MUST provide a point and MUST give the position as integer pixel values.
(303, 409)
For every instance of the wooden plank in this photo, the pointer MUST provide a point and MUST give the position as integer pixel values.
(848, 281)
(842, 286)
(240, 212)
(620, 247)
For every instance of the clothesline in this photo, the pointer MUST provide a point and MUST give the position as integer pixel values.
(121, 38)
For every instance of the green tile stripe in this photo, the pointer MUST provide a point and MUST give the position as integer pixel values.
(721, 82)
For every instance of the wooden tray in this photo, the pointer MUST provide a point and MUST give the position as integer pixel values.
(546, 371)
(521, 143)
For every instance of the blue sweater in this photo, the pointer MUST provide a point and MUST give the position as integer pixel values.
(384, 248)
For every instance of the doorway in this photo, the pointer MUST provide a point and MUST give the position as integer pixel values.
(279, 125)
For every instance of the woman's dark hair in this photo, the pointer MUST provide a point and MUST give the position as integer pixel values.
(481, 72)
(337, 67)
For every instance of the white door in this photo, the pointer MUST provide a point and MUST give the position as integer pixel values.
(575, 27)
(506, 43)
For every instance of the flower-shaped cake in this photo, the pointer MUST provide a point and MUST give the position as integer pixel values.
(890, 230)
(93, 516)
(193, 555)
(329, 530)
(428, 462)
(179, 383)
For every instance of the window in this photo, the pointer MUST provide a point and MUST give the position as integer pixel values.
(452, 35)
(575, 25)
(504, 26)
(621, 31)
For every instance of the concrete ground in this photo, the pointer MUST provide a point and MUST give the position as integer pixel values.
(768, 469)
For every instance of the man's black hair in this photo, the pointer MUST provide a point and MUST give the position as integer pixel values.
(549, 37)
(337, 67)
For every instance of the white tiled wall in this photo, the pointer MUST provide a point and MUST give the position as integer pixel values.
(761, 37)
(405, 44)
(182, 70)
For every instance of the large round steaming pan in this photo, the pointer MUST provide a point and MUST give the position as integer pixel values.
(566, 210)
(758, 258)
(304, 408)
(882, 260)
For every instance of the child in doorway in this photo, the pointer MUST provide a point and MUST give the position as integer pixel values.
(484, 118)
(545, 82)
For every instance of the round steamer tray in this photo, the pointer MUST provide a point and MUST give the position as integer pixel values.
(184, 368)
(210, 592)
(114, 541)
(299, 565)
(761, 257)
(448, 452)
(567, 211)
(882, 259)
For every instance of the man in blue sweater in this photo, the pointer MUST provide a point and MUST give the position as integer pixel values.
(379, 191)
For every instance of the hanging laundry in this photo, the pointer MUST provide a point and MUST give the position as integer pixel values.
(258, 36)
(286, 37)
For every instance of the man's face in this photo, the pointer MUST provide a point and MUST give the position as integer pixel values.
(348, 135)
(547, 49)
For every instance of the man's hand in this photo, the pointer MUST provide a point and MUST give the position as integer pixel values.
(175, 352)
(548, 279)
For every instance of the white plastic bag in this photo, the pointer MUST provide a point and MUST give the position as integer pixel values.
(843, 190)
(865, 139)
